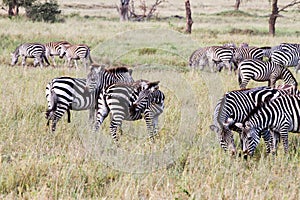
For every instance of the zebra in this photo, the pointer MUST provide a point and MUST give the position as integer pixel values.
(30, 50)
(53, 49)
(66, 93)
(221, 55)
(242, 53)
(234, 107)
(76, 52)
(126, 101)
(263, 71)
(287, 58)
(198, 58)
(282, 115)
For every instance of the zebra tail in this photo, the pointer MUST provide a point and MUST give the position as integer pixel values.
(239, 77)
(69, 116)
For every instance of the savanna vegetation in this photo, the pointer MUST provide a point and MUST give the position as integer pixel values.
(186, 162)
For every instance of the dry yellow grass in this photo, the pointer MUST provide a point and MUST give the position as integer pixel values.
(186, 161)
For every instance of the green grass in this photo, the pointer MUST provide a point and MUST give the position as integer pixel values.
(186, 162)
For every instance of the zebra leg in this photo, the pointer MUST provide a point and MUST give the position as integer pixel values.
(53, 60)
(75, 62)
(114, 124)
(268, 140)
(23, 61)
(285, 141)
(155, 125)
(149, 123)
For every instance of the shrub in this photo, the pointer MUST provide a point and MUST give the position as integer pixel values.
(48, 11)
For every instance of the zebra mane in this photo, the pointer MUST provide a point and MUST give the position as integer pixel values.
(117, 70)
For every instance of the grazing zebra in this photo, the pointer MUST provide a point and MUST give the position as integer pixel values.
(53, 49)
(281, 116)
(263, 71)
(221, 55)
(234, 107)
(128, 102)
(198, 58)
(287, 58)
(76, 52)
(241, 54)
(30, 50)
(66, 93)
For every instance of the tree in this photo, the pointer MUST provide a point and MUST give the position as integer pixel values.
(275, 13)
(13, 5)
(237, 4)
(123, 10)
(189, 21)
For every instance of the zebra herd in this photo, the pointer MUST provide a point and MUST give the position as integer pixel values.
(106, 90)
(269, 112)
(42, 52)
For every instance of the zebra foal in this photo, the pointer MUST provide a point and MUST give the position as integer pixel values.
(76, 52)
(54, 48)
(30, 50)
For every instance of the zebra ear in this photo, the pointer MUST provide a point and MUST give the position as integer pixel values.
(130, 72)
(153, 85)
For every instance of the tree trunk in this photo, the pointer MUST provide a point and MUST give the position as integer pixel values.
(189, 21)
(123, 10)
(237, 4)
(13, 8)
(273, 17)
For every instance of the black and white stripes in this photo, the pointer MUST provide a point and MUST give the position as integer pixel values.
(30, 50)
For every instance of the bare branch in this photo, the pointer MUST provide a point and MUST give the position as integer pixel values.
(289, 5)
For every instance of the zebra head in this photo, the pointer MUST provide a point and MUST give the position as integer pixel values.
(93, 78)
(14, 56)
(250, 138)
(146, 95)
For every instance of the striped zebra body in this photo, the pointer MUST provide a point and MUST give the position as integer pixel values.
(263, 71)
(54, 49)
(221, 55)
(65, 93)
(76, 52)
(287, 58)
(289, 47)
(198, 58)
(281, 116)
(241, 54)
(235, 106)
(30, 50)
(128, 102)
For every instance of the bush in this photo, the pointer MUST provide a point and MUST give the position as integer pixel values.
(48, 12)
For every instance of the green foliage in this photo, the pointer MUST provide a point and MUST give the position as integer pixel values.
(47, 12)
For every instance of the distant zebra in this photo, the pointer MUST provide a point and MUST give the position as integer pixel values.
(198, 58)
(221, 55)
(263, 71)
(281, 116)
(66, 93)
(287, 58)
(233, 108)
(241, 54)
(30, 50)
(76, 52)
(128, 102)
(53, 49)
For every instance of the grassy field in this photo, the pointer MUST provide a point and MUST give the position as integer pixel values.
(186, 162)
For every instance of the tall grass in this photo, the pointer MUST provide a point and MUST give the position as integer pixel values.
(185, 162)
